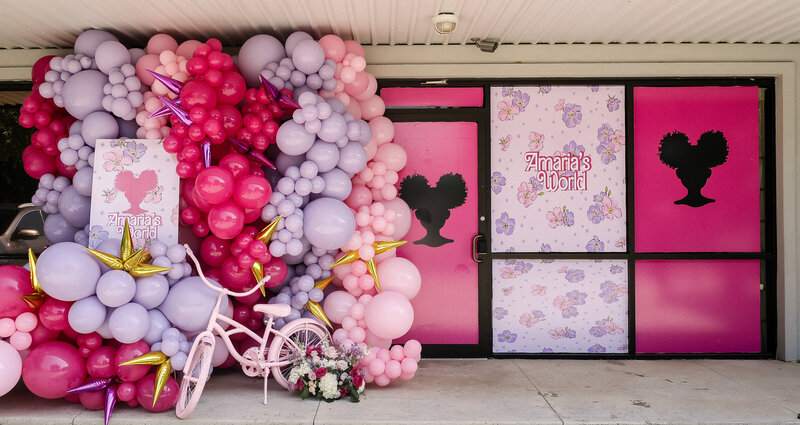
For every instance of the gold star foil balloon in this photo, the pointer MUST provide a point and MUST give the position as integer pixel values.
(264, 236)
(132, 262)
(314, 306)
(156, 358)
(380, 248)
(36, 298)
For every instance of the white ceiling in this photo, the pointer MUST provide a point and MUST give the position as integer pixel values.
(56, 23)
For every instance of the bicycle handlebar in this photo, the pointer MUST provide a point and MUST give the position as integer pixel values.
(258, 286)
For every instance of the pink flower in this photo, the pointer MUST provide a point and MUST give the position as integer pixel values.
(561, 302)
(555, 218)
(621, 242)
(505, 142)
(617, 140)
(539, 290)
(560, 105)
(507, 110)
(610, 208)
(558, 333)
(154, 196)
(563, 269)
(537, 141)
(528, 319)
(510, 272)
(116, 161)
(526, 194)
(611, 328)
(110, 195)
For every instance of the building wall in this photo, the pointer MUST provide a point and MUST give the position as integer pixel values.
(600, 61)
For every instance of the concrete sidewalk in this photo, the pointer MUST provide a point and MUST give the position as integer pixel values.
(489, 392)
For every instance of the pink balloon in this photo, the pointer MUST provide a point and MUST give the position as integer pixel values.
(53, 368)
(393, 369)
(359, 196)
(382, 130)
(126, 391)
(160, 42)
(354, 47)
(391, 154)
(214, 185)
(198, 93)
(145, 392)
(402, 220)
(372, 88)
(14, 282)
(100, 364)
(406, 376)
(10, 366)
(377, 367)
(354, 109)
(53, 314)
(187, 48)
(7, 327)
(235, 277)
(337, 305)
(237, 164)
(144, 63)
(389, 315)
(42, 334)
(409, 365)
(397, 353)
(372, 107)
(376, 341)
(252, 191)
(94, 400)
(413, 349)
(226, 220)
(26, 322)
(232, 88)
(358, 334)
(333, 46)
(20, 340)
(382, 380)
(400, 275)
(214, 251)
(359, 84)
(127, 352)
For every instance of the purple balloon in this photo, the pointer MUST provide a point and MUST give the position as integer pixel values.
(333, 128)
(294, 39)
(158, 324)
(111, 401)
(82, 181)
(74, 207)
(67, 271)
(337, 184)
(151, 290)
(337, 105)
(129, 323)
(136, 54)
(56, 229)
(99, 125)
(293, 139)
(115, 288)
(255, 54)
(352, 158)
(284, 161)
(189, 303)
(366, 132)
(111, 54)
(83, 93)
(308, 56)
(328, 223)
(86, 315)
(88, 41)
(324, 154)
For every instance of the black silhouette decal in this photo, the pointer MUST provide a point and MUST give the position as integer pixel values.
(432, 205)
(693, 163)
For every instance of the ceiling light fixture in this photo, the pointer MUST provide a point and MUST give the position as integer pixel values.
(445, 23)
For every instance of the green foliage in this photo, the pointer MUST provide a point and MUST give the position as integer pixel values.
(15, 185)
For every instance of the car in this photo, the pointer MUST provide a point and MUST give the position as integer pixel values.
(23, 228)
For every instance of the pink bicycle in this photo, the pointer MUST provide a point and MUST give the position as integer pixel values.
(286, 345)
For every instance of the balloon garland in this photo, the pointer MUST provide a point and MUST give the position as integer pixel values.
(287, 170)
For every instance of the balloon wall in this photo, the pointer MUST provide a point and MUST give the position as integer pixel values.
(287, 170)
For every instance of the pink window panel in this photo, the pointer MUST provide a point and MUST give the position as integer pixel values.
(698, 306)
(424, 97)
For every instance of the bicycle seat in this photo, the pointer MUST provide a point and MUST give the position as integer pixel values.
(274, 310)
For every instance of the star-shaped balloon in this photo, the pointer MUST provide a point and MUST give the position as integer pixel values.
(132, 262)
(264, 236)
(97, 385)
(380, 248)
(156, 358)
(314, 306)
(36, 298)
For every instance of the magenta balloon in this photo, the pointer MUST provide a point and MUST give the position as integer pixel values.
(83, 93)
(15, 281)
(372, 107)
(10, 367)
(337, 305)
(145, 394)
(88, 41)
(53, 368)
(127, 352)
(100, 363)
(389, 315)
(308, 56)
(402, 221)
(333, 46)
(393, 155)
(214, 184)
(111, 54)
(226, 220)
(256, 53)
(400, 275)
(252, 191)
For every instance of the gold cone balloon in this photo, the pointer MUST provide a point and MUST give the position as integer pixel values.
(132, 262)
(380, 248)
(36, 298)
(162, 374)
(314, 306)
(264, 236)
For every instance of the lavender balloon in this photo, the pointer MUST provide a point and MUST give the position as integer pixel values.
(83, 93)
(293, 139)
(151, 290)
(333, 128)
(352, 158)
(111, 54)
(88, 41)
(324, 154)
(115, 288)
(328, 223)
(189, 303)
(86, 315)
(255, 54)
(74, 207)
(82, 181)
(99, 125)
(56, 229)
(337, 184)
(294, 39)
(129, 323)
(308, 56)
(158, 324)
(67, 271)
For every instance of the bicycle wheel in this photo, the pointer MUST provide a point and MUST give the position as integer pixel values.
(284, 351)
(194, 379)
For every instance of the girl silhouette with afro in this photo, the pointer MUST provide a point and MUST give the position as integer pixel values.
(693, 163)
(432, 205)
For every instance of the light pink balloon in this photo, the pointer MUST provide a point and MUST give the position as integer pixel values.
(337, 305)
(358, 85)
(372, 107)
(382, 380)
(392, 154)
(333, 46)
(397, 353)
(359, 196)
(358, 334)
(389, 315)
(20, 340)
(377, 367)
(26, 322)
(400, 275)
(354, 47)
(10, 367)
(382, 130)
(371, 148)
(372, 88)
(187, 48)
(413, 349)
(376, 341)
(409, 365)
(143, 64)
(354, 109)
(7, 327)
(402, 221)
(160, 42)
(393, 369)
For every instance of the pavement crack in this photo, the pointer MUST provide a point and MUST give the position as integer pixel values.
(540, 393)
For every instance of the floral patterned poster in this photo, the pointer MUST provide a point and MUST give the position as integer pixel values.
(134, 179)
(558, 168)
(560, 306)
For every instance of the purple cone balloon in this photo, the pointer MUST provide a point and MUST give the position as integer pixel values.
(83, 93)
(171, 84)
(328, 223)
(91, 386)
(67, 271)
(111, 401)
(179, 112)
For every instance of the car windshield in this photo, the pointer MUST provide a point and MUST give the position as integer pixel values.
(6, 216)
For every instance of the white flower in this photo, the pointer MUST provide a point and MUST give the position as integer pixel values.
(294, 375)
(341, 365)
(329, 386)
(330, 352)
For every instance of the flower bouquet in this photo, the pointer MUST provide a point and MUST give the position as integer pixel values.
(328, 372)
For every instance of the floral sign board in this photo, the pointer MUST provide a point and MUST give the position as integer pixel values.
(560, 306)
(134, 179)
(558, 168)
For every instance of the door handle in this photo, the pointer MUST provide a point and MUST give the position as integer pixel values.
(475, 248)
